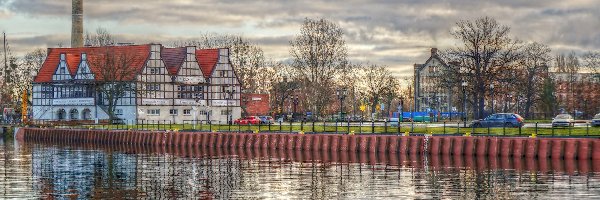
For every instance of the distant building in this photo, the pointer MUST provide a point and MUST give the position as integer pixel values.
(170, 85)
(256, 104)
(577, 92)
(429, 94)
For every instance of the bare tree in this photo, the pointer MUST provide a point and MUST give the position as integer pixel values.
(591, 61)
(379, 85)
(484, 52)
(534, 68)
(319, 56)
(26, 70)
(115, 76)
(101, 38)
(283, 85)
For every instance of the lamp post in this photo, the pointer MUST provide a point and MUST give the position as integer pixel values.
(341, 94)
(464, 87)
(295, 102)
(492, 88)
(230, 91)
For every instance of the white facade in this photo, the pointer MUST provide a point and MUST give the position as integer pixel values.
(170, 90)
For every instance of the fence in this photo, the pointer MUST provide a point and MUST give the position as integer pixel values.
(412, 128)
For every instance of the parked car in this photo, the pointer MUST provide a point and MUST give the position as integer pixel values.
(563, 120)
(596, 120)
(247, 120)
(500, 120)
(266, 120)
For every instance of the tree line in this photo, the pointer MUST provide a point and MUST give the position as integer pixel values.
(318, 66)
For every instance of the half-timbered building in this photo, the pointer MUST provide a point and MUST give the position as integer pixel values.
(166, 85)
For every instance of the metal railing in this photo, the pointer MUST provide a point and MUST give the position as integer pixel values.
(371, 127)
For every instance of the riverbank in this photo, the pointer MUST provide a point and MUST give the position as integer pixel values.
(555, 148)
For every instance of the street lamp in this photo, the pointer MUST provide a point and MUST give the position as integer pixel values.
(492, 88)
(341, 94)
(230, 91)
(295, 102)
(464, 87)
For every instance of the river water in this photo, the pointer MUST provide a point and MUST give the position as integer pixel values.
(35, 170)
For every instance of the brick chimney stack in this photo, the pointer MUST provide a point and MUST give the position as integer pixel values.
(77, 24)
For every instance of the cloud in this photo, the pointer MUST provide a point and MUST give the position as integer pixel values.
(388, 32)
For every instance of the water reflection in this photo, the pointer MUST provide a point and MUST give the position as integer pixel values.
(92, 171)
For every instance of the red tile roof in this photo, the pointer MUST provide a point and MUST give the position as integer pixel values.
(139, 53)
(173, 58)
(207, 59)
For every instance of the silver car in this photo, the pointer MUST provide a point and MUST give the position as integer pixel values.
(563, 120)
(596, 120)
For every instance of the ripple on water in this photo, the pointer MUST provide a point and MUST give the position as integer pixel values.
(54, 171)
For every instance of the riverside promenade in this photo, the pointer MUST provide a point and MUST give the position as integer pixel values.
(490, 146)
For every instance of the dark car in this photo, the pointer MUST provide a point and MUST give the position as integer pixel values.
(500, 120)
(596, 120)
(266, 120)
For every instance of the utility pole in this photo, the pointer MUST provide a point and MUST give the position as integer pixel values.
(5, 59)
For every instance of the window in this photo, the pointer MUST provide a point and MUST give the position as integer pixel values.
(154, 70)
(225, 112)
(74, 114)
(62, 70)
(118, 111)
(153, 87)
(153, 111)
(173, 111)
(186, 111)
(203, 112)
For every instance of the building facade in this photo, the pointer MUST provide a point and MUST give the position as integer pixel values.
(158, 84)
(429, 94)
(577, 93)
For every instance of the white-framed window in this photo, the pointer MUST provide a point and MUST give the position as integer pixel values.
(153, 112)
(187, 111)
(154, 70)
(225, 112)
(153, 87)
(203, 112)
(118, 111)
(173, 112)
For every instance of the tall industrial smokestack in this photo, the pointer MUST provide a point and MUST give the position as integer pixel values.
(77, 24)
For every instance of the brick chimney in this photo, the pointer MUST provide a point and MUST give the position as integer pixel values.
(77, 24)
(433, 51)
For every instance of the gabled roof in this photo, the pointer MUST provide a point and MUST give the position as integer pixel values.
(207, 59)
(173, 58)
(138, 53)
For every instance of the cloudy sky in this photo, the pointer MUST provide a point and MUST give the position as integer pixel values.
(396, 33)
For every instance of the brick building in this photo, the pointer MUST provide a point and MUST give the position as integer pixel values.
(577, 92)
(255, 104)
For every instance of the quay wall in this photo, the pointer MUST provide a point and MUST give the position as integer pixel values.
(516, 147)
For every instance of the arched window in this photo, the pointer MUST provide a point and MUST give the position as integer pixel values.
(61, 114)
(86, 114)
(73, 114)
